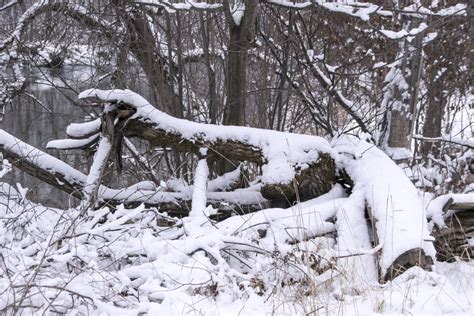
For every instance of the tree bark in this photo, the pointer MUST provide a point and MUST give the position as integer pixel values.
(241, 35)
(403, 114)
(65, 178)
(434, 116)
(452, 241)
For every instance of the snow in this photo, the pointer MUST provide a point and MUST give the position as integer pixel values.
(352, 8)
(185, 5)
(457, 9)
(140, 192)
(404, 33)
(238, 11)
(71, 143)
(224, 182)
(40, 158)
(320, 255)
(201, 174)
(124, 264)
(450, 139)
(78, 130)
(353, 243)
(93, 178)
(5, 167)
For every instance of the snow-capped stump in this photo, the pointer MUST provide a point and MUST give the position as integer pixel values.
(453, 219)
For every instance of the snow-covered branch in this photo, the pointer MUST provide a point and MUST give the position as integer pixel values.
(447, 139)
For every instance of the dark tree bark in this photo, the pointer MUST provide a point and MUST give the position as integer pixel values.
(402, 117)
(205, 25)
(434, 116)
(155, 66)
(241, 35)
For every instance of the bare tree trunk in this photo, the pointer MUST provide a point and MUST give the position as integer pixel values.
(211, 76)
(403, 113)
(156, 67)
(241, 34)
(434, 116)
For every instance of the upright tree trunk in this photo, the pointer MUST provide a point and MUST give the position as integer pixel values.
(241, 34)
(205, 26)
(236, 77)
(155, 66)
(403, 113)
(434, 116)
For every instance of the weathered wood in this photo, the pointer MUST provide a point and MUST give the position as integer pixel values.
(217, 150)
(410, 258)
(41, 165)
(309, 183)
(458, 206)
(452, 241)
(397, 220)
(53, 178)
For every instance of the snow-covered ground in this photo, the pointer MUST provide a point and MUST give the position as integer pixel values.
(276, 261)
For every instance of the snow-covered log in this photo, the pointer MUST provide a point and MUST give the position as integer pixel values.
(294, 166)
(452, 216)
(41, 165)
(64, 177)
(398, 218)
(456, 239)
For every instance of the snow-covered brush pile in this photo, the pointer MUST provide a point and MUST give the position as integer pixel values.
(137, 260)
(359, 242)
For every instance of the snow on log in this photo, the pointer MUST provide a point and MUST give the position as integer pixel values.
(296, 224)
(355, 252)
(64, 177)
(452, 216)
(83, 130)
(228, 181)
(41, 165)
(394, 207)
(64, 144)
(285, 157)
(101, 157)
(201, 174)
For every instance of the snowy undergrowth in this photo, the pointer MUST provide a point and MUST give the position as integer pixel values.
(135, 261)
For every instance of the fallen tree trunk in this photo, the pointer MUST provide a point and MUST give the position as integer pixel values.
(308, 183)
(41, 165)
(396, 215)
(295, 167)
(65, 178)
